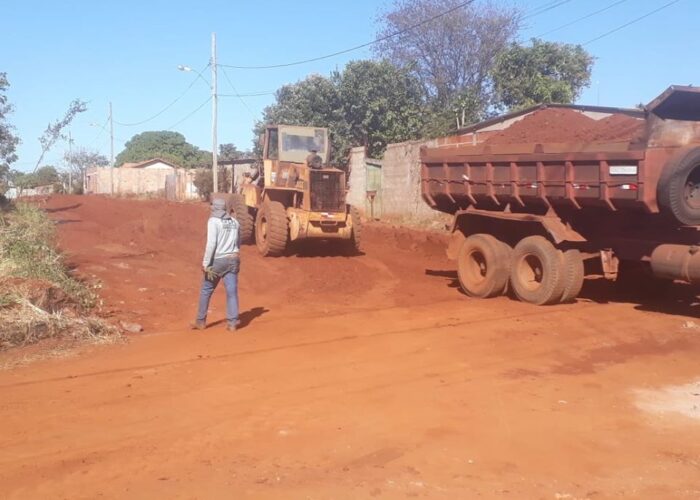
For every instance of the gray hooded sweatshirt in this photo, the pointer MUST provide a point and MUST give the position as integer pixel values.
(222, 234)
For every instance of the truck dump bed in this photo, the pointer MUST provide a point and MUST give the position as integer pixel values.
(557, 155)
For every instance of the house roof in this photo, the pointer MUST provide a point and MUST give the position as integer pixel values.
(144, 164)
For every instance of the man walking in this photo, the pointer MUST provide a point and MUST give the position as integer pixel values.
(221, 262)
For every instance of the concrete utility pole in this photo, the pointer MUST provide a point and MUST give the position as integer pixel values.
(214, 142)
(111, 151)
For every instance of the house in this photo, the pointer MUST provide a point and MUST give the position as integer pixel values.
(153, 164)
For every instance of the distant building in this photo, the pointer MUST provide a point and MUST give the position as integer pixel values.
(154, 164)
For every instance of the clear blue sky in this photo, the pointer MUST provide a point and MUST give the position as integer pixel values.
(127, 52)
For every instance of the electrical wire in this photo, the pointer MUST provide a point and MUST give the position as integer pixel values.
(631, 22)
(545, 8)
(357, 47)
(583, 18)
(252, 94)
(245, 104)
(190, 114)
(133, 124)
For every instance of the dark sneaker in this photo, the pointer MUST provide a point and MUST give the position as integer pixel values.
(198, 325)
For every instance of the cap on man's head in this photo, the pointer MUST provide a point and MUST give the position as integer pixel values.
(218, 203)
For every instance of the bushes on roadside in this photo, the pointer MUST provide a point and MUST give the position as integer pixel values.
(39, 297)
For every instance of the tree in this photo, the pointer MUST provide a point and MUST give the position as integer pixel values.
(79, 160)
(452, 53)
(204, 182)
(368, 103)
(380, 103)
(54, 131)
(47, 175)
(166, 145)
(313, 102)
(8, 141)
(228, 152)
(543, 72)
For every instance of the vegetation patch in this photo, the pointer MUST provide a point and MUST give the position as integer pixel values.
(39, 298)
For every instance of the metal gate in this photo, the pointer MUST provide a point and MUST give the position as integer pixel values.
(171, 187)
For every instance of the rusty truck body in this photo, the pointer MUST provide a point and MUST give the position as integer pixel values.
(527, 215)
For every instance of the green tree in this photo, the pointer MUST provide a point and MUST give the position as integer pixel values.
(8, 141)
(79, 160)
(170, 146)
(312, 102)
(451, 54)
(47, 175)
(380, 104)
(228, 152)
(542, 72)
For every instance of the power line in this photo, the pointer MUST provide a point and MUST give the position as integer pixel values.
(357, 47)
(631, 22)
(245, 104)
(190, 114)
(545, 8)
(252, 94)
(165, 108)
(582, 18)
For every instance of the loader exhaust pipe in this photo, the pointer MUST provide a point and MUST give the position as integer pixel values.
(677, 262)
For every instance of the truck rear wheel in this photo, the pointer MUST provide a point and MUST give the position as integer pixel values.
(679, 188)
(573, 275)
(271, 229)
(242, 214)
(483, 266)
(537, 271)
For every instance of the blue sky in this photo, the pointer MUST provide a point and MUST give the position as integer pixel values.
(127, 52)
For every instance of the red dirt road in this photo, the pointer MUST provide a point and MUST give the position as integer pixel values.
(354, 377)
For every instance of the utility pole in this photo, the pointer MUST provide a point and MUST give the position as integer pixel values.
(111, 151)
(214, 142)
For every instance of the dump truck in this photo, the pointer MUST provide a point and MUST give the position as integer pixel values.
(536, 207)
(297, 195)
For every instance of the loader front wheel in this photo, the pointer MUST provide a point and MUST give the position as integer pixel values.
(356, 236)
(271, 229)
(242, 214)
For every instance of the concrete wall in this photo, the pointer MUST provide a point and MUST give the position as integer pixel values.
(139, 181)
(357, 180)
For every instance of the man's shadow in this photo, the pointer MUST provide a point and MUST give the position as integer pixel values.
(246, 317)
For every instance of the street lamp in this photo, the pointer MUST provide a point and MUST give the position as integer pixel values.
(214, 142)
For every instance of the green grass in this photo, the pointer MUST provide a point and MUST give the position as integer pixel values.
(29, 258)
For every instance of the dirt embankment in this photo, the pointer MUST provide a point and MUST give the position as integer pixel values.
(567, 125)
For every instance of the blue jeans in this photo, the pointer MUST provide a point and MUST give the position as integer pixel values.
(226, 270)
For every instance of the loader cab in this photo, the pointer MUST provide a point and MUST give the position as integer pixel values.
(287, 143)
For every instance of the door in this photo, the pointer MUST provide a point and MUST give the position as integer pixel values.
(373, 201)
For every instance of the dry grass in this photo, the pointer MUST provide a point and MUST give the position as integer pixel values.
(39, 298)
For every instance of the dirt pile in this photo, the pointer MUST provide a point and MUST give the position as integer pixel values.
(568, 125)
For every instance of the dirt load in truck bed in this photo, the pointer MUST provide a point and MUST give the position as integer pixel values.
(569, 125)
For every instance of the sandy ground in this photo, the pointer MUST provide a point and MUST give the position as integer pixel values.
(353, 377)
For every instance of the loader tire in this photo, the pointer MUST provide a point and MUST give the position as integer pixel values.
(537, 271)
(242, 214)
(573, 275)
(483, 266)
(678, 191)
(271, 229)
(356, 237)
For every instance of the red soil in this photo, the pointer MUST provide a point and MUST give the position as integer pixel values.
(567, 125)
(353, 377)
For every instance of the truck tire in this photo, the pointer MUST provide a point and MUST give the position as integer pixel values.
(242, 214)
(679, 188)
(271, 229)
(537, 271)
(573, 275)
(483, 266)
(356, 236)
